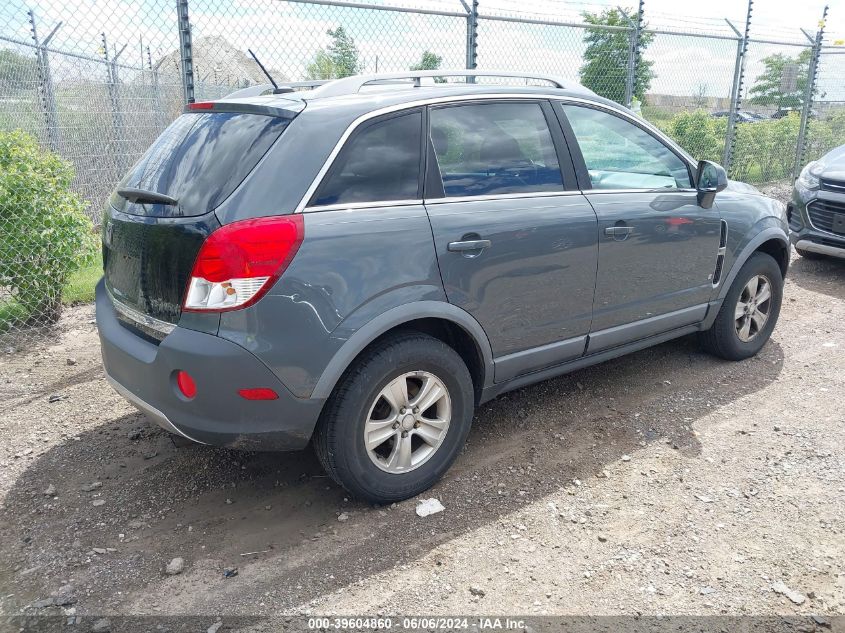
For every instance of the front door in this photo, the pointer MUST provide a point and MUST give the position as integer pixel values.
(516, 242)
(657, 247)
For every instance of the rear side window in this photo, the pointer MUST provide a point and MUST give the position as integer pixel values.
(380, 163)
(200, 159)
(495, 148)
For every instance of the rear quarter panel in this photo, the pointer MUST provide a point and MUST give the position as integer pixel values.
(352, 266)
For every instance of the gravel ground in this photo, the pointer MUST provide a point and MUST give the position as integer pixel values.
(665, 482)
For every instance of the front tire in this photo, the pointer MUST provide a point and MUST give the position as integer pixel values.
(397, 419)
(749, 312)
(809, 254)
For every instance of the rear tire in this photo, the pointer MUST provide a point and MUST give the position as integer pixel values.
(367, 404)
(749, 312)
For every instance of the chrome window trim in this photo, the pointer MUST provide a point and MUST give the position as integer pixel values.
(145, 320)
(380, 204)
(318, 179)
(591, 192)
(504, 196)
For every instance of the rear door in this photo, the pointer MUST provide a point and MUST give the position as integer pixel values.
(516, 241)
(657, 247)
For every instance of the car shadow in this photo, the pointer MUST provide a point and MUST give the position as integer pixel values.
(279, 513)
(825, 275)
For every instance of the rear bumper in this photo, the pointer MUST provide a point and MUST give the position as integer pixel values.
(143, 373)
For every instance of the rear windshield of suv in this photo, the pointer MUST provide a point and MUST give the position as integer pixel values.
(200, 159)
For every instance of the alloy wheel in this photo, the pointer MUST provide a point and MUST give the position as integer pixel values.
(407, 422)
(753, 308)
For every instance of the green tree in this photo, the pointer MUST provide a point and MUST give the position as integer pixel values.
(338, 60)
(430, 61)
(17, 72)
(783, 81)
(605, 66)
(321, 67)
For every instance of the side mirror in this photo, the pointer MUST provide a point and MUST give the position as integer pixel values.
(710, 179)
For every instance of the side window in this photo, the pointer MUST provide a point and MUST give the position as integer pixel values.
(620, 155)
(494, 148)
(381, 162)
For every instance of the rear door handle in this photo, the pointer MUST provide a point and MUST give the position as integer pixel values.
(618, 231)
(468, 245)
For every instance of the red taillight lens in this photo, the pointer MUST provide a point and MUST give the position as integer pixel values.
(239, 262)
(258, 393)
(201, 105)
(186, 384)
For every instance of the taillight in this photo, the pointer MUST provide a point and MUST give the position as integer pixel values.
(239, 262)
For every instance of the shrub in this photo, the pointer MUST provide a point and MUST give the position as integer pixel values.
(702, 135)
(44, 232)
(763, 151)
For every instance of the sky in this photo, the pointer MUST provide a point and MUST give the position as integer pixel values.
(286, 35)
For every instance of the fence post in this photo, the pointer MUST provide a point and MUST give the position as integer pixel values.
(186, 50)
(45, 80)
(472, 36)
(112, 81)
(812, 76)
(160, 114)
(633, 54)
(736, 90)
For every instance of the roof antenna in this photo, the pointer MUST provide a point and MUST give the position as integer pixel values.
(276, 89)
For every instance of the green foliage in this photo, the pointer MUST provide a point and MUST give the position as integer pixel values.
(338, 60)
(825, 134)
(17, 72)
(81, 283)
(605, 66)
(702, 135)
(768, 88)
(763, 152)
(430, 61)
(45, 232)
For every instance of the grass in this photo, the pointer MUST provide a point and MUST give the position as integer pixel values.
(78, 289)
(80, 285)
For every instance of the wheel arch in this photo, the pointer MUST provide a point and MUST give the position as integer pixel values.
(772, 241)
(455, 327)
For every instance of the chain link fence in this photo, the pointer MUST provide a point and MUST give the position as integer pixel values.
(84, 91)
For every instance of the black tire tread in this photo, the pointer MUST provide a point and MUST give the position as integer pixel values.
(325, 435)
(717, 340)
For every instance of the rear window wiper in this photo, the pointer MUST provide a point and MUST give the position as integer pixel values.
(144, 196)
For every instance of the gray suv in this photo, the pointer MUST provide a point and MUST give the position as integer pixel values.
(817, 210)
(360, 265)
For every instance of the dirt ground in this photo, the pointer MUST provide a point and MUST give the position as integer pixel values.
(666, 482)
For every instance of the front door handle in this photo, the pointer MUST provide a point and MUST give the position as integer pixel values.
(466, 246)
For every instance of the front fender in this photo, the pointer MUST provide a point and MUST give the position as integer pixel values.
(376, 326)
(766, 234)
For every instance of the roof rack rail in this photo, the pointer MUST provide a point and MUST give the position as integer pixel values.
(268, 89)
(352, 85)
